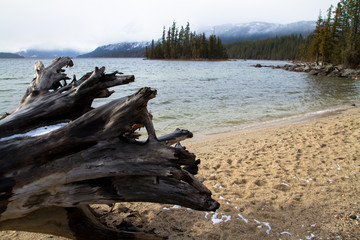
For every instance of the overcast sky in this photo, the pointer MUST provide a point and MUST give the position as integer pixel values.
(86, 24)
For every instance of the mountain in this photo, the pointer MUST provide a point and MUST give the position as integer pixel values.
(258, 30)
(34, 53)
(228, 33)
(123, 49)
(9, 55)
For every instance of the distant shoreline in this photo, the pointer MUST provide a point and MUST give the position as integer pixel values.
(328, 70)
(190, 60)
(4, 55)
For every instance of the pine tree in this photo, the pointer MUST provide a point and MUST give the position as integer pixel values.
(180, 43)
(314, 49)
(173, 36)
(147, 55)
(326, 38)
(338, 36)
(164, 45)
(203, 47)
(187, 49)
(152, 50)
(353, 48)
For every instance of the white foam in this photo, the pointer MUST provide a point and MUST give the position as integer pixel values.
(218, 218)
(173, 207)
(310, 237)
(244, 219)
(266, 224)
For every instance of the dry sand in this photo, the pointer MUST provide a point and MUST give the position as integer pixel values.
(294, 181)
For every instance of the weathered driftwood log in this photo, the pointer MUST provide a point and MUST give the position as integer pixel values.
(48, 181)
(48, 101)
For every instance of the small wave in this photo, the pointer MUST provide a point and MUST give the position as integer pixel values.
(234, 122)
(208, 79)
(293, 92)
(7, 78)
(165, 103)
(166, 118)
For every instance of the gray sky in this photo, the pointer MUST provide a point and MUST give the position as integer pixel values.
(86, 24)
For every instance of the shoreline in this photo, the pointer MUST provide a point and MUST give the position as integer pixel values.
(189, 60)
(300, 118)
(328, 70)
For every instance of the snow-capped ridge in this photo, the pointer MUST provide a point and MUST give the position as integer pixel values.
(258, 30)
(124, 46)
(122, 49)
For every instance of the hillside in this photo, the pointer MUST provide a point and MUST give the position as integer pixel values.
(123, 49)
(9, 55)
(258, 30)
(35, 53)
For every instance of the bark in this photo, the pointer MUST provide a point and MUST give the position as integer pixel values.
(96, 158)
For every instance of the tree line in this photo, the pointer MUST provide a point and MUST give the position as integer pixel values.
(278, 48)
(184, 44)
(336, 38)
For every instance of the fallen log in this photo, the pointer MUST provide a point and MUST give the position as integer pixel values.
(47, 182)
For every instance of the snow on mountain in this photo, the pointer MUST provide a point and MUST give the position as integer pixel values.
(122, 49)
(35, 53)
(258, 30)
(124, 46)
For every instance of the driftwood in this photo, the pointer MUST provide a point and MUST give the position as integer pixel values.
(47, 182)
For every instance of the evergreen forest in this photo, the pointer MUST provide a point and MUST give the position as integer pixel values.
(279, 48)
(336, 38)
(184, 44)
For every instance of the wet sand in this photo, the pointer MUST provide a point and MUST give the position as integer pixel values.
(290, 181)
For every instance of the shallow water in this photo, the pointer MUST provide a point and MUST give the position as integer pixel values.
(202, 96)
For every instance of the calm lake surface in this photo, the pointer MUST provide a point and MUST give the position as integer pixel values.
(202, 96)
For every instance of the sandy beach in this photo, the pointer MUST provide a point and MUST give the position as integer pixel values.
(293, 181)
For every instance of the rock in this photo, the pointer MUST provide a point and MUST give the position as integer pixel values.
(314, 72)
(328, 69)
(258, 65)
(353, 217)
(335, 73)
(307, 68)
(348, 72)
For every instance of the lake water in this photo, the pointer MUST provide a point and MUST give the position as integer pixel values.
(202, 96)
